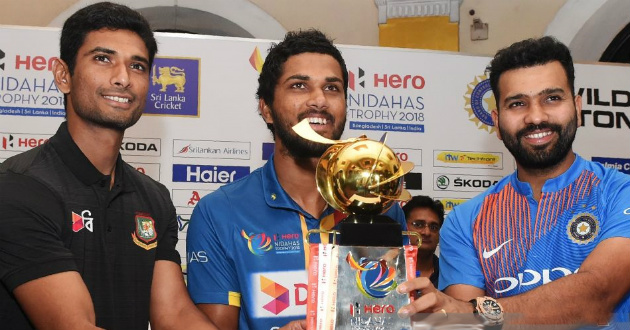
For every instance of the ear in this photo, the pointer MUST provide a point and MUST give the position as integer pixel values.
(265, 111)
(578, 108)
(495, 120)
(61, 73)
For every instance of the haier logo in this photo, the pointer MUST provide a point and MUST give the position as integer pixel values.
(140, 147)
(208, 173)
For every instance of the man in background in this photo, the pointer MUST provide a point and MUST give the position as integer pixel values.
(425, 217)
(253, 231)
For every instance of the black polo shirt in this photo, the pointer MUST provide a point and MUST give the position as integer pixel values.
(57, 213)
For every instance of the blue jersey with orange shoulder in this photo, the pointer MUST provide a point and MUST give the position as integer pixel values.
(245, 248)
(506, 243)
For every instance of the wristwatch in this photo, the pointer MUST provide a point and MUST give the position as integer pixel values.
(489, 311)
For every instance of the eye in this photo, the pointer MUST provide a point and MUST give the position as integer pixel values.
(101, 58)
(139, 67)
(515, 104)
(298, 85)
(332, 88)
(554, 98)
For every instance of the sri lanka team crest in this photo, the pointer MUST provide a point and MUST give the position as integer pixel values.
(480, 102)
(374, 279)
(174, 88)
(145, 235)
(583, 228)
(258, 244)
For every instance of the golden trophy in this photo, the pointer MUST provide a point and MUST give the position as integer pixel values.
(352, 281)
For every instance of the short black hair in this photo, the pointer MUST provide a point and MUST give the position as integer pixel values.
(295, 43)
(102, 15)
(427, 202)
(529, 53)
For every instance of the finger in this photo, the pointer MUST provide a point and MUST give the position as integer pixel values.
(419, 283)
(427, 303)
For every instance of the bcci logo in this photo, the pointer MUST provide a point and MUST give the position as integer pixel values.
(479, 103)
(373, 277)
(258, 244)
(583, 228)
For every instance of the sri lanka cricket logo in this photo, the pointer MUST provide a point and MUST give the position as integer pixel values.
(374, 279)
(170, 75)
(258, 244)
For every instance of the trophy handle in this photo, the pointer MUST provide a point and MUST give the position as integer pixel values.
(320, 231)
(413, 233)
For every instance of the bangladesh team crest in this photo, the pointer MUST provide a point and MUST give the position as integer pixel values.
(583, 228)
(145, 235)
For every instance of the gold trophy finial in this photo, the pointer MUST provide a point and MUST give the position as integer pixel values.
(359, 175)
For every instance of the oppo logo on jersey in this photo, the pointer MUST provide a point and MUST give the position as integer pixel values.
(530, 277)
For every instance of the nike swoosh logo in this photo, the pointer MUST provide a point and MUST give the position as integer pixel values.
(488, 254)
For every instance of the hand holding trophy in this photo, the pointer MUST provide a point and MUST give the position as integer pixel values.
(352, 282)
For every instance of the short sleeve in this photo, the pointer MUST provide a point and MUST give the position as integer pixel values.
(459, 263)
(212, 277)
(31, 244)
(166, 249)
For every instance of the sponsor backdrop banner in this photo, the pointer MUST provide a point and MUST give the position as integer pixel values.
(201, 128)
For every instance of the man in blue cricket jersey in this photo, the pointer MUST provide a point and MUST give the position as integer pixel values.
(559, 220)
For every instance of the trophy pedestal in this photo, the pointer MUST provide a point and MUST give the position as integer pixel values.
(370, 230)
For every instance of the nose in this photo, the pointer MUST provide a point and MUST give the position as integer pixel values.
(536, 114)
(317, 99)
(120, 76)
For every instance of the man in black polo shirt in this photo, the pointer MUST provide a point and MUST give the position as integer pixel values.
(86, 241)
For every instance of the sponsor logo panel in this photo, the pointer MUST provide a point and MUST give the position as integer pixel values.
(279, 294)
(21, 141)
(620, 164)
(390, 101)
(605, 108)
(479, 103)
(450, 203)
(141, 147)
(208, 173)
(150, 169)
(409, 155)
(468, 159)
(188, 197)
(174, 88)
(211, 149)
(463, 182)
(27, 88)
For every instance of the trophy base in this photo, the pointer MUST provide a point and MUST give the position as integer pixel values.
(370, 230)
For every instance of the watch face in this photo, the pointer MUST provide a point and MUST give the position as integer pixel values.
(490, 310)
(490, 307)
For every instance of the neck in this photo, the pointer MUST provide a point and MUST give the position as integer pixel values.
(100, 145)
(537, 177)
(297, 178)
(425, 262)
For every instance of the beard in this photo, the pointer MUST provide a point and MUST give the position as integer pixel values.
(541, 157)
(299, 147)
(91, 113)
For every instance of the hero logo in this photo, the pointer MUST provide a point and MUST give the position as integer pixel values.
(37, 63)
(2, 58)
(384, 80)
(530, 277)
(208, 173)
(140, 147)
(22, 142)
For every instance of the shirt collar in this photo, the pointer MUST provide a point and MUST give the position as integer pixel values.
(77, 162)
(554, 184)
(276, 196)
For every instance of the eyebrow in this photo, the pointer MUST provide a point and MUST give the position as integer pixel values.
(306, 78)
(113, 52)
(545, 91)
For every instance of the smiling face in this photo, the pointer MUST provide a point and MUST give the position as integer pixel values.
(538, 117)
(110, 81)
(311, 86)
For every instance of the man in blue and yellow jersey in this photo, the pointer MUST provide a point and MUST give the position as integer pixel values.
(248, 237)
(559, 220)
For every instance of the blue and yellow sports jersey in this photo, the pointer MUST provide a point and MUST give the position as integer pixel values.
(506, 243)
(245, 248)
